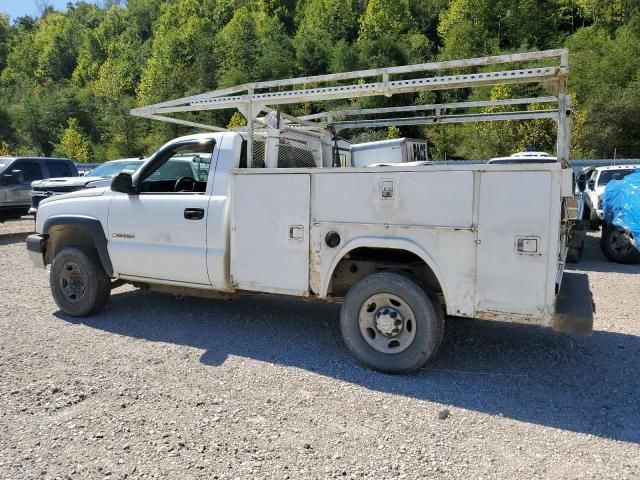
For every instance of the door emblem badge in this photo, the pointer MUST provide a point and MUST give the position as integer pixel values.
(123, 235)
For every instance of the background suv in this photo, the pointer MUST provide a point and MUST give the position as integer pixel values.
(16, 175)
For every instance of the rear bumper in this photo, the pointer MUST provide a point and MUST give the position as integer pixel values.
(36, 245)
(574, 305)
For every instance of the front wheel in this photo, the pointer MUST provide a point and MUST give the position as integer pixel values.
(79, 284)
(390, 324)
(617, 246)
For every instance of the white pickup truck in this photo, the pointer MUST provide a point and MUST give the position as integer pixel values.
(399, 247)
(596, 179)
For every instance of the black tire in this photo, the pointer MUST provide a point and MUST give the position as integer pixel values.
(574, 255)
(594, 221)
(616, 246)
(427, 324)
(79, 284)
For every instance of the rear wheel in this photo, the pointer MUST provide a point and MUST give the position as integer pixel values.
(390, 324)
(617, 247)
(574, 254)
(594, 221)
(79, 284)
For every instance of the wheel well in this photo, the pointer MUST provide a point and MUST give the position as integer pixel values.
(61, 236)
(365, 260)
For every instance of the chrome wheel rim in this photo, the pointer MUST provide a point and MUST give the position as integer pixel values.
(72, 282)
(387, 323)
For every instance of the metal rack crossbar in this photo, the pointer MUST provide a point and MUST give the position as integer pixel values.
(252, 99)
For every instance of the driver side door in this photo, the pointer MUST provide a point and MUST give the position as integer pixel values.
(159, 233)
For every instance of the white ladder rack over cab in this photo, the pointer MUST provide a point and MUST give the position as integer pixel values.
(252, 99)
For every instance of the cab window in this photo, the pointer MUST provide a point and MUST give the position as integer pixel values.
(27, 171)
(59, 169)
(183, 169)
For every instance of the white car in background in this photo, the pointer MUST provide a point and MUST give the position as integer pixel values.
(525, 157)
(597, 179)
(100, 176)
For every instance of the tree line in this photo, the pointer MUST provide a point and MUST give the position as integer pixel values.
(69, 78)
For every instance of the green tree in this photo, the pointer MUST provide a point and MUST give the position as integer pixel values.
(393, 132)
(73, 143)
(609, 14)
(484, 27)
(605, 77)
(181, 60)
(5, 32)
(326, 30)
(251, 47)
(55, 47)
(389, 35)
(236, 121)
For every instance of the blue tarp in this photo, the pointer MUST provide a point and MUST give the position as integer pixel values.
(621, 204)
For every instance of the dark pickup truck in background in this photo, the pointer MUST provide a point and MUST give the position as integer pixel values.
(16, 175)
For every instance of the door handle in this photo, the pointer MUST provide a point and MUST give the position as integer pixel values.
(194, 213)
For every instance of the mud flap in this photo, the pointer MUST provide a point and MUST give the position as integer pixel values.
(578, 232)
(574, 305)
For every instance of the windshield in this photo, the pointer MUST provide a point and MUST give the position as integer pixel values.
(111, 169)
(607, 175)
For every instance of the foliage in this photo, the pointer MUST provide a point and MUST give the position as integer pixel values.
(69, 78)
(73, 143)
(393, 132)
(236, 121)
(326, 30)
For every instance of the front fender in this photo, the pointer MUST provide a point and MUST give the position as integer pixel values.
(89, 225)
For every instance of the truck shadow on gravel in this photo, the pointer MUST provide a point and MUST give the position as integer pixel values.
(588, 385)
(11, 238)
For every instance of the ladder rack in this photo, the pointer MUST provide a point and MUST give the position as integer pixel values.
(252, 99)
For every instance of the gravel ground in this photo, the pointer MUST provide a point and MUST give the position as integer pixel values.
(263, 388)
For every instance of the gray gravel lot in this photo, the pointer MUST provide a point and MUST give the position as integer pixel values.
(262, 387)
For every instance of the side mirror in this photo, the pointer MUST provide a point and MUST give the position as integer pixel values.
(122, 183)
(592, 184)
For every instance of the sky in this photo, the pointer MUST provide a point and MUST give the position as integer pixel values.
(18, 8)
